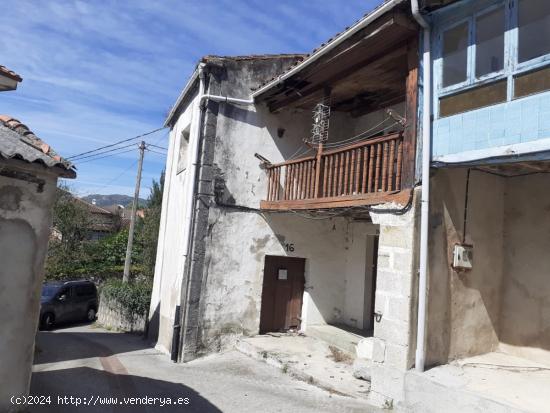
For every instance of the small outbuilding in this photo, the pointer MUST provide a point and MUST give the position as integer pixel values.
(29, 170)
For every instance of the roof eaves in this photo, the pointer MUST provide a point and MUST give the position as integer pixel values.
(334, 41)
(17, 141)
(188, 87)
(4, 71)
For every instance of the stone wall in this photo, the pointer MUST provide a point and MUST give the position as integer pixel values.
(112, 316)
(394, 338)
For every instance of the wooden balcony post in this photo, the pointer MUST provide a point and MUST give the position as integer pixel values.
(411, 113)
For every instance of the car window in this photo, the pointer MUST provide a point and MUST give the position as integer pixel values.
(85, 290)
(49, 291)
(64, 291)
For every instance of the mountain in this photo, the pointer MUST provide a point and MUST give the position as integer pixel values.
(113, 199)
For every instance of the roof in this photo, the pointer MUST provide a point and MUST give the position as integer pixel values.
(94, 209)
(4, 71)
(213, 58)
(17, 141)
(382, 8)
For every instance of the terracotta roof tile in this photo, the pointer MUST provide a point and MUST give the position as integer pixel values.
(10, 73)
(18, 141)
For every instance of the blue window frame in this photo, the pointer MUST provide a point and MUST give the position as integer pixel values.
(483, 41)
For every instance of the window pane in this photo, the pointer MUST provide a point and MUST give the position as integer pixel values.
(473, 99)
(490, 42)
(534, 29)
(455, 58)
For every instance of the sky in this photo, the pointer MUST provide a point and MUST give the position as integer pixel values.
(99, 71)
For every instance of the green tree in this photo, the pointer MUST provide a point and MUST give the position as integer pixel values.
(149, 228)
(71, 225)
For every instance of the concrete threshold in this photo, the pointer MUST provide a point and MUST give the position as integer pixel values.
(308, 359)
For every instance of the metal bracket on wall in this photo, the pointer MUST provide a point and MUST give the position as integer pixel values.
(23, 176)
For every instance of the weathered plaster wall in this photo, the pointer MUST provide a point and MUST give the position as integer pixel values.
(25, 220)
(231, 298)
(464, 308)
(170, 259)
(525, 308)
(228, 240)
(331, 295)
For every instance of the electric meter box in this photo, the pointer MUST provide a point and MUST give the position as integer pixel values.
(463, 257)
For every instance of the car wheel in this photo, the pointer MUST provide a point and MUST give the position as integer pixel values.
(48, 321)
(90, 315)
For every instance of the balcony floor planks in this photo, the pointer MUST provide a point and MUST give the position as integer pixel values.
(399, 197)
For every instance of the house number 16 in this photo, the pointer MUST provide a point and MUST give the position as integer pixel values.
(289, 247)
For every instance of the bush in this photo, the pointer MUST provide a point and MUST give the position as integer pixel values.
(133, 298)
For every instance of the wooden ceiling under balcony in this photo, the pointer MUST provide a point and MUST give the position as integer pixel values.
(366, 72)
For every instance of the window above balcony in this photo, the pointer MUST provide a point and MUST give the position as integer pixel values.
(489, 52)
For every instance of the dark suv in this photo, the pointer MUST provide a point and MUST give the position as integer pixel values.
(67, 301)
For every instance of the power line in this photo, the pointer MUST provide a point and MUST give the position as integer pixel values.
(98, 187)
(116, 143)
(106, 156)
(103, 152)
(156, 146)
(159, 153)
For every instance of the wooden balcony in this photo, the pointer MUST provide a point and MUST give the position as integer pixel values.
(364, 173)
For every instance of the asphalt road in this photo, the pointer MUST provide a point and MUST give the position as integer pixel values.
(103, 371)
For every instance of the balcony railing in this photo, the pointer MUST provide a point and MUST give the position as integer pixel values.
(358, 174)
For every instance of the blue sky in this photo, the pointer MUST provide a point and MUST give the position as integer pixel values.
(98, 71)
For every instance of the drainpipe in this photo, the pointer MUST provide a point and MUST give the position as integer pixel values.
(425, 196)
(191, 190)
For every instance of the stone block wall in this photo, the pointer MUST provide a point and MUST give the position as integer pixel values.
(394, 338)
(112, 315)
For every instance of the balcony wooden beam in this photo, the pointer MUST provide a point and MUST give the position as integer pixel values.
(375, 198)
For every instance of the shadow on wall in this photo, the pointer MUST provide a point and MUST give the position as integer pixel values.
(152, 333)
(87, 383)
(525, 309)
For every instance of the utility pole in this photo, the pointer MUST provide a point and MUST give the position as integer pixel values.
(128, 261)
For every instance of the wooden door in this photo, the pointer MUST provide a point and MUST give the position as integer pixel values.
(282, 293)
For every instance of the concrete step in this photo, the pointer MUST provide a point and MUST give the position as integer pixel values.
(334, 335)
(306, 359)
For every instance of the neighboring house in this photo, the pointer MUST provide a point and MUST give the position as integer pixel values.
(489, 196)
(276, 218)
(103, 222)
(29, 170)
(125, 213)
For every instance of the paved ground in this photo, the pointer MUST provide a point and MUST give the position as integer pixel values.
(97, 365)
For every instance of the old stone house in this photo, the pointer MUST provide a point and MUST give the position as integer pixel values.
(29, 170)
(290, 199)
